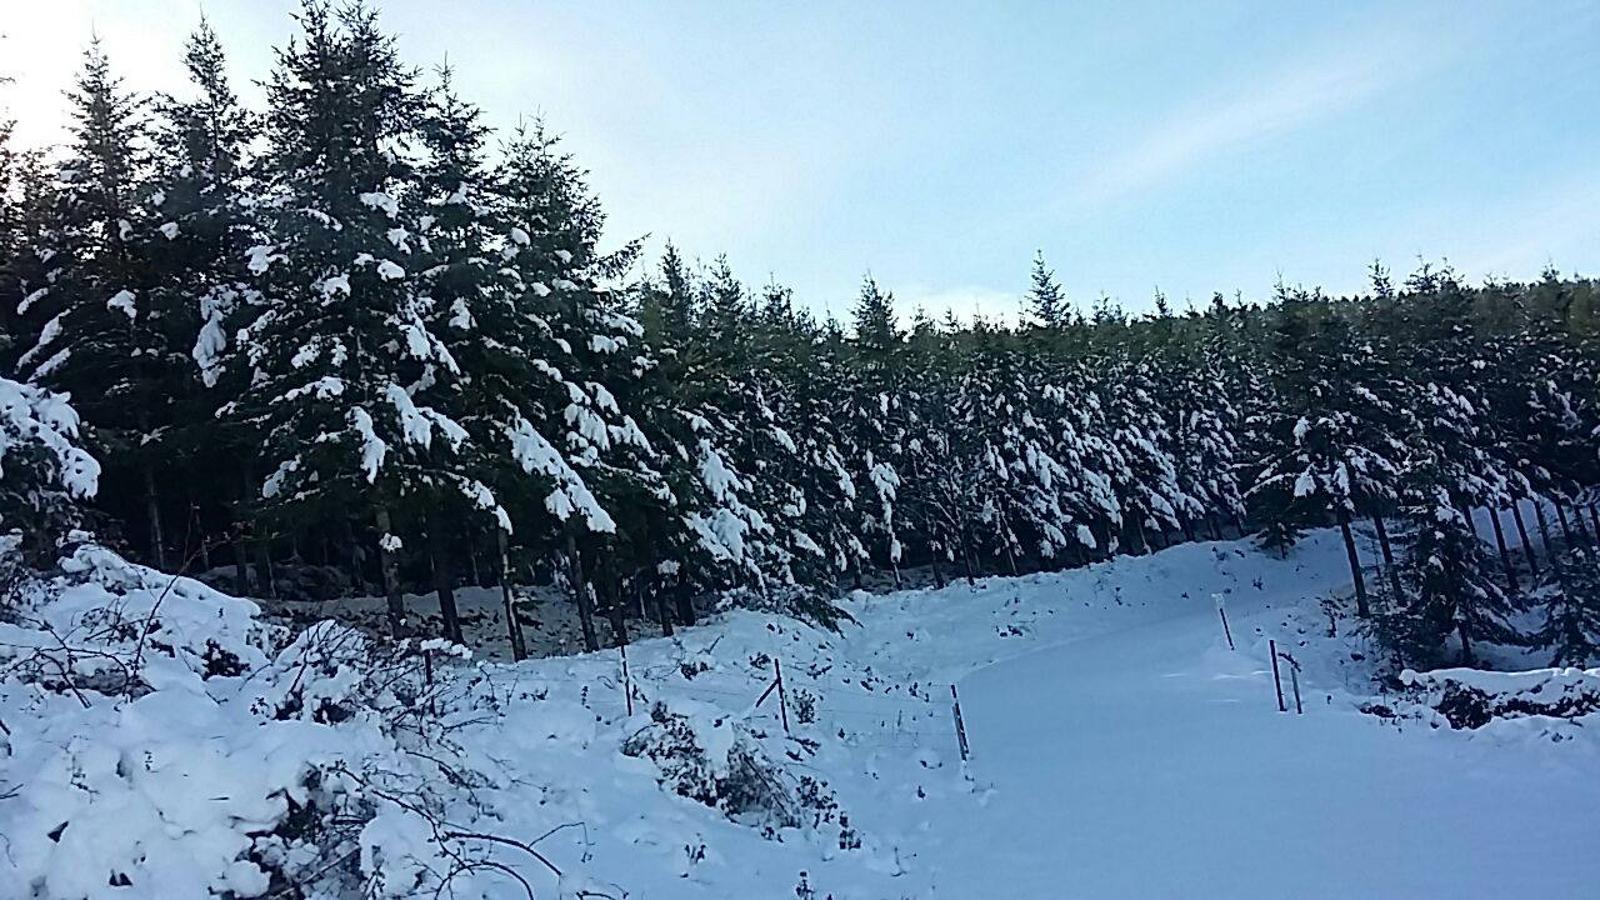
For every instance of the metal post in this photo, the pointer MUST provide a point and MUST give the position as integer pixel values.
(627, 682)
(1277, 681)
(783, 701)
(961, 728)
(1225, 630)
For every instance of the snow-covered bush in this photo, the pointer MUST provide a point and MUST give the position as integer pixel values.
(161, 741)
(809, 604)
(1470, 698)
(42, 470)
(712, 758)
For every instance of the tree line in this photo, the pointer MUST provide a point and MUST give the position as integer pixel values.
(355, 328)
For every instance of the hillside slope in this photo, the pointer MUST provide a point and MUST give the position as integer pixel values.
(1118, 749)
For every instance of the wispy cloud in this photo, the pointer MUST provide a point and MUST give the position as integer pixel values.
(1553, 226)
(1265, 105)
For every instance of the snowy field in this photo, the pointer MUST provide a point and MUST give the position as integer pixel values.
(1118, 749)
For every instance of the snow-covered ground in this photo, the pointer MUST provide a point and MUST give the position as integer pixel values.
(1119, 749)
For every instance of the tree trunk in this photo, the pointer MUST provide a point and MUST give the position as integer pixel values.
(1578, 524)
(1388, 556)
(241, 566)
(205, 551)
(581, 595)
(1505, 553)
(1466, 644)
(966, 553)
(1187, 527)
(938, 574)
(391, 577)
(614, 605)
(1216, 533)
(1355, 564)
(649, 584)
(264, 573)
(1561, 519)
(1544, 527)
(444, 581)
(1472, 524)
(519, 647)
(1594, 518)
(685, 599)
(152, 511)
(472, 561)
(1522, 537)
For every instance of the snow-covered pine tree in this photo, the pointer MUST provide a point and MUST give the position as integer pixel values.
(590, 389)
(465, 251)
(1339, 457)
(340, 343)
(104, 339)
(754, 398)
(936, 501)
(1453, 588)
(876, 414)
(200, 227)
(44, 473)
(1571, 599)
(1142, 469)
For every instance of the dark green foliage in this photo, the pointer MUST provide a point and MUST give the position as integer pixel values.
(1571, 630)
(392, 342)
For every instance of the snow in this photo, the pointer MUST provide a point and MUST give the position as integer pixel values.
(32, 298)
(33, 418)
(122, 301)
(373, 448)
(335, 284)
(262, 256)
(569, 496)
(47, 336)
(1119, 749)
(381, 201)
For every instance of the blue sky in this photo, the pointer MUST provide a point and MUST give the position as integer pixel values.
(1185, 147)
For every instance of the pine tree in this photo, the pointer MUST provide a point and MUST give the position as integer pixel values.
(44, 473)
(1571, 629)
(1045, 301)
(340, 344)
(201, 227)
(106, 341)
(877, 413)
(560, 273)
(1453, 589)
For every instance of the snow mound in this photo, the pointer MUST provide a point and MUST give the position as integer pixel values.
(160, 741)
(1471, 698)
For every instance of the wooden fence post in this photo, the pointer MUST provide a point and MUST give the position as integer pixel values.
(1294, 681)
(961, 728)
(1277, 681)
(783, 700)
(1223, 612)
(627, 681)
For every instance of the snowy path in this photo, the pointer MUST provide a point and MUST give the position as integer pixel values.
(1151, 762)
